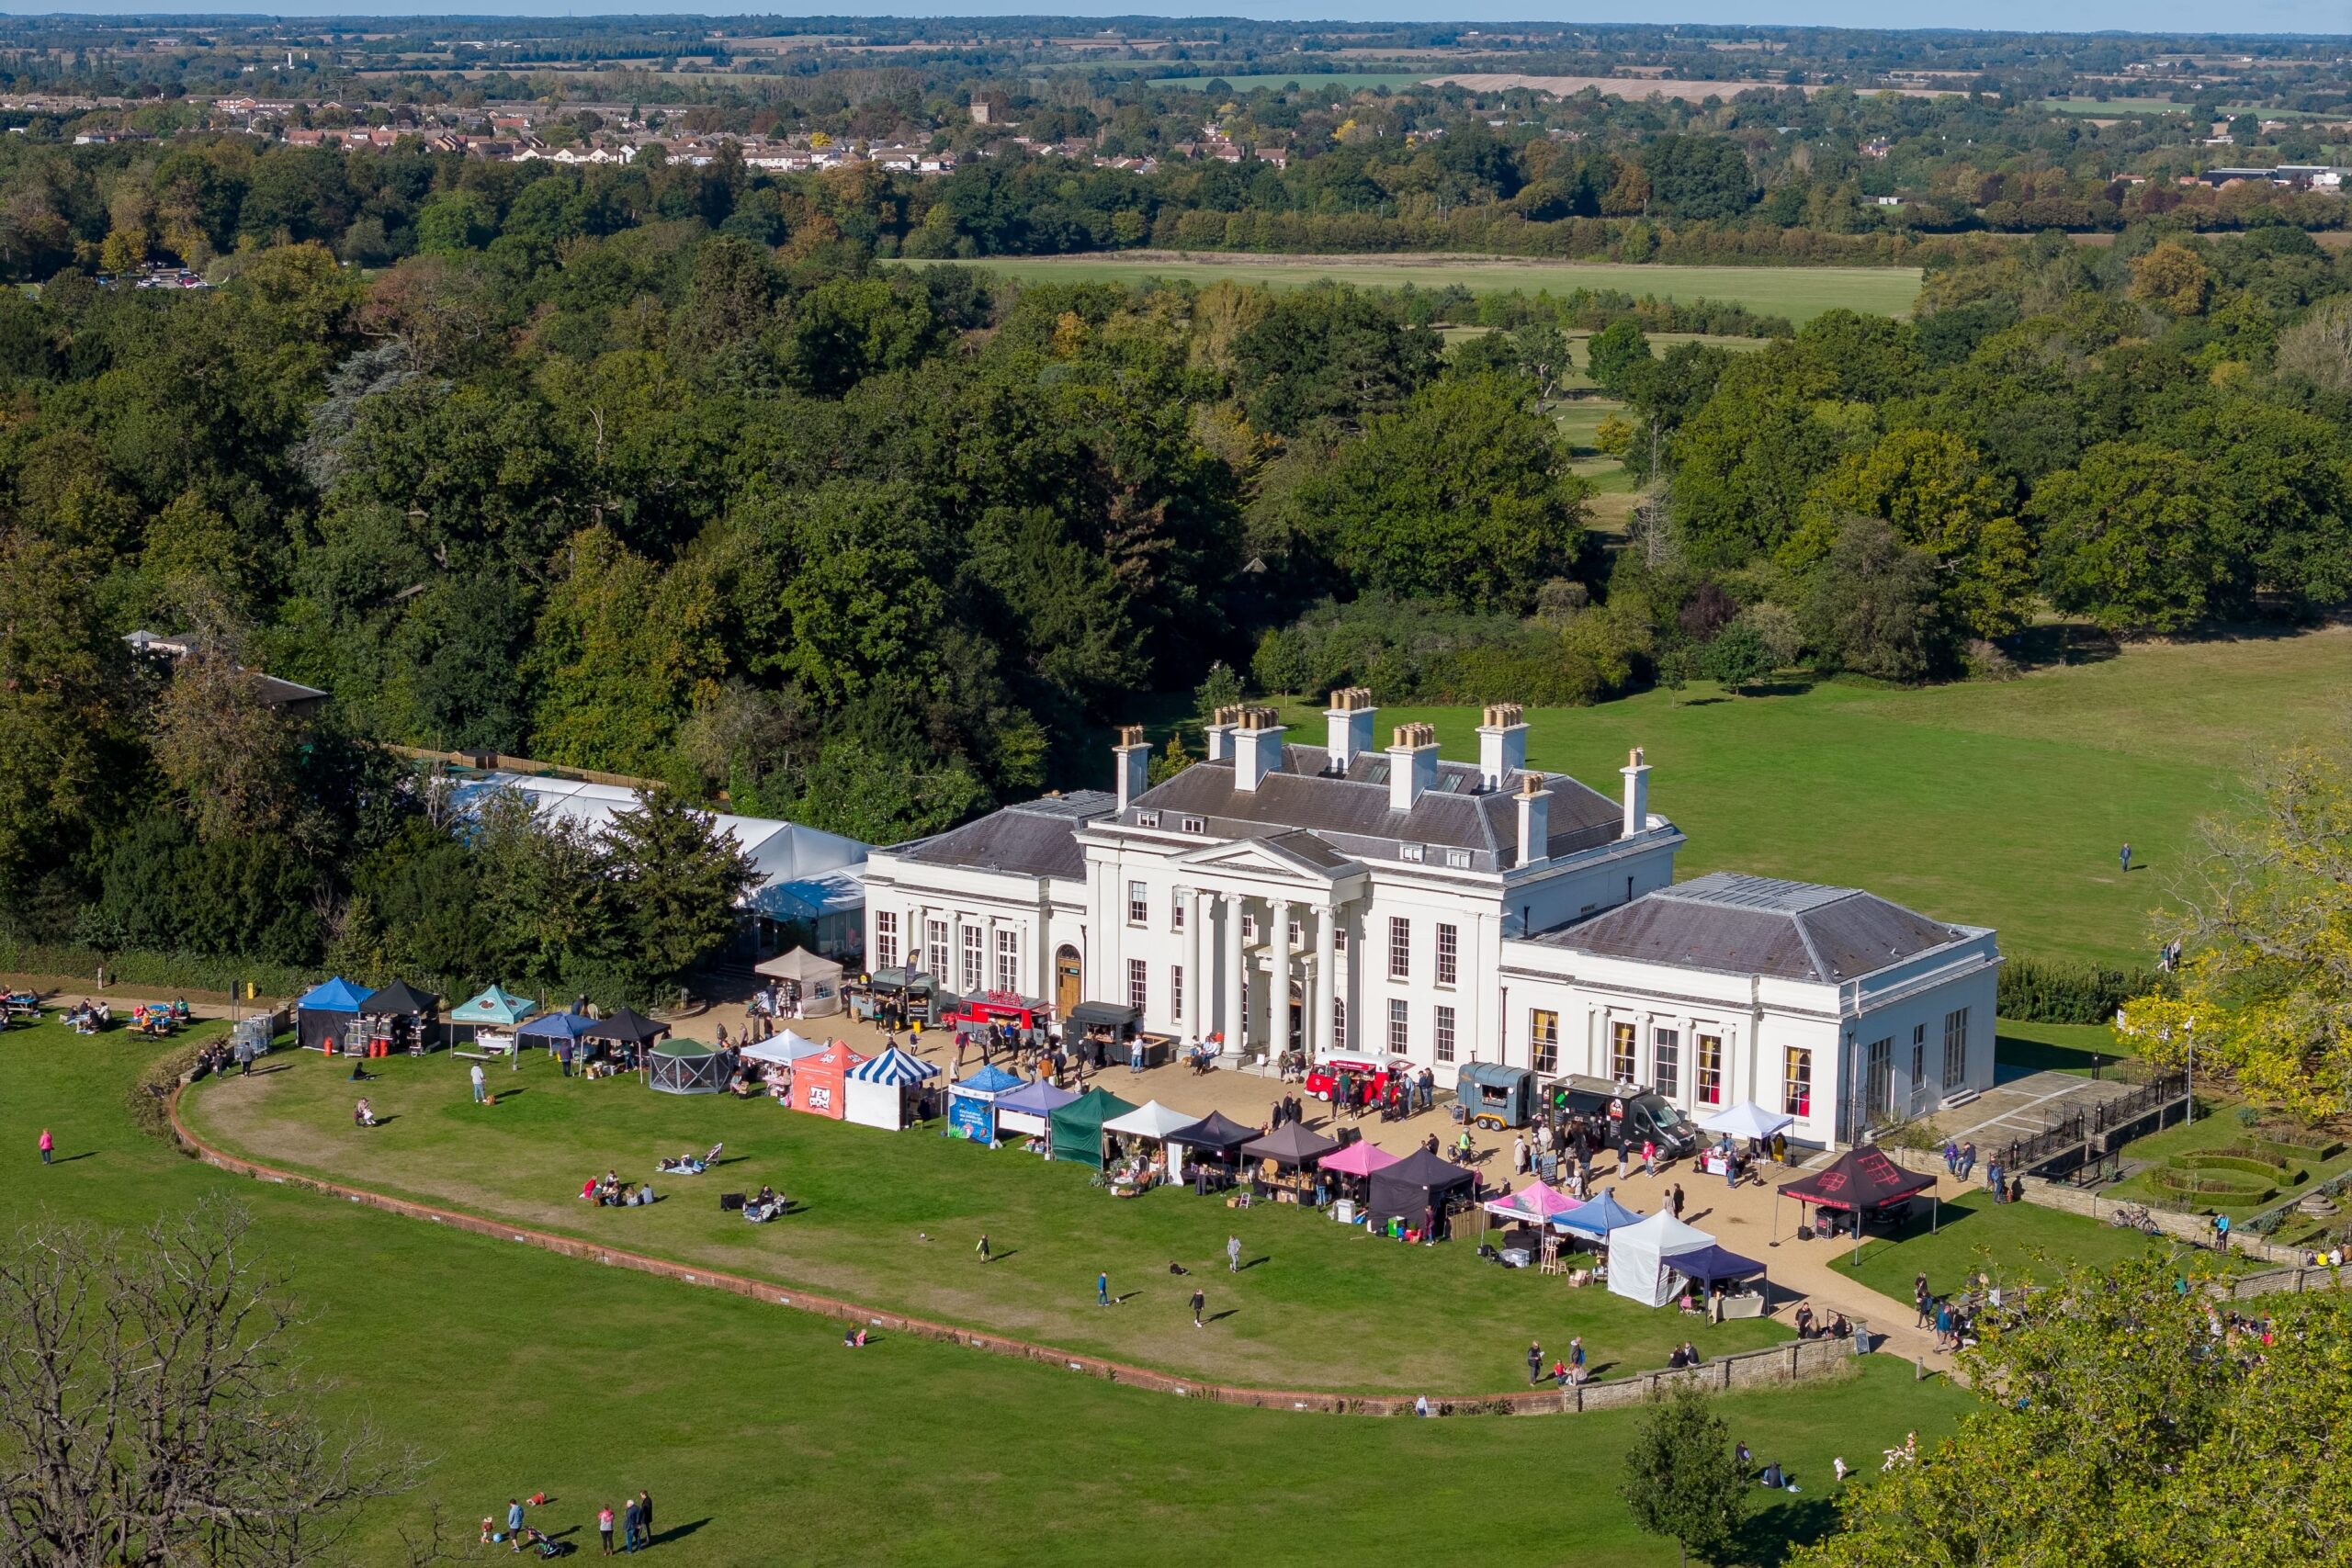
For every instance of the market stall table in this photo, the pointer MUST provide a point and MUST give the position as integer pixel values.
(1415, 1185)
(1863, 1184)
(1216, 1140)
(1152, 1121)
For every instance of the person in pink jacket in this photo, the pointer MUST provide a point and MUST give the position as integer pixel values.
(47, 1144)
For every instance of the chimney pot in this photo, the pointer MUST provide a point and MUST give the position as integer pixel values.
(1131, 763)
(1535, 804)
(1636, 774)
(1257, 746)
(1347, 727)
(1412, 765)
(1502, 744)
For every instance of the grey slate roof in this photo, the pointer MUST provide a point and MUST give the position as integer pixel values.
(1758, 925)
(1036, 838)
(1351, 814)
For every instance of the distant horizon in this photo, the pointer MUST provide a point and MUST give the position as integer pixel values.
(2318, 19)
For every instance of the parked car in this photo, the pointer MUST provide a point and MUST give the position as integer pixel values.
(1648, 1115)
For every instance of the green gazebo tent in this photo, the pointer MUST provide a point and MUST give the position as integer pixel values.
(1075, 1130)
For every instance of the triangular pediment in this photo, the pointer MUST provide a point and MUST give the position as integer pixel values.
(1313, 863)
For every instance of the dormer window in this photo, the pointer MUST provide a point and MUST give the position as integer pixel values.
(1196, 824)
(1147, 819)
(1410, 853)
(1458, 860)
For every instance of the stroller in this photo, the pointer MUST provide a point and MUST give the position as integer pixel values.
(543, 1545)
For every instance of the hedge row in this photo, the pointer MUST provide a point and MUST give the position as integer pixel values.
(159, 971)
(2041, 991)
(2212, 1184)
(2248, 1161)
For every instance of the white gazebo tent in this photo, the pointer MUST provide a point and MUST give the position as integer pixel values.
(1641, 1257)
(1154, 1122)
(1747, 1120)
(814, 982)
(782, 1050)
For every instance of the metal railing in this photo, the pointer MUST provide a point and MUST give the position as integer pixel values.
(2060, 1137)
(2166, 1090)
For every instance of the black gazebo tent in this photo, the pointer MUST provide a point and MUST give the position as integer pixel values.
(1865, 1181)
(1291, 1144)
(1419, 1181)
(626, 1027)
(1215, 1133)
(400, 999)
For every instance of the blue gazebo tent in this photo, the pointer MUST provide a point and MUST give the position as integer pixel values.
(1597, 1219)
(1030, 1107)
(971, 1104)
(319, 1016)
(553, 1029)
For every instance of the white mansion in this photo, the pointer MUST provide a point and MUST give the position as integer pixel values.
(1371, 904)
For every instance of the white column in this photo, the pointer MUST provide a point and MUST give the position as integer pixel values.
(1278, 980)
(1235, 1026)
(1193, 949)
(1327, 974)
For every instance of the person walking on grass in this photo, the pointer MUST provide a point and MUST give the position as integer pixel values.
(983, 1248)
(1233, 1255)
(604, 1528)
(1534, 1362)
(48, 1146)
(1200, 1300)
(2126, 857)
(474, 1073)
(645, 1513)
(1102, 1289)
(515, 1524)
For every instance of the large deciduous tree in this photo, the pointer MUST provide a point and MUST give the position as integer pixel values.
(1465, 497)
(2126, 1420)
(2263, 915)
(151, 1413)
(2132, 537)
(1683, 1479)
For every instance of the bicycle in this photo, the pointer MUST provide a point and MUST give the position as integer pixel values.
(2135, 1217)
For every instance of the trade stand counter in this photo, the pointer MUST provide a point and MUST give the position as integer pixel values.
(1027, 1112)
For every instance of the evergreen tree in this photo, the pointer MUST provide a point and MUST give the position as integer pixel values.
(1683, 1480)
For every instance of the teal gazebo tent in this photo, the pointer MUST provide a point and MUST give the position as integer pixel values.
(493, 1017)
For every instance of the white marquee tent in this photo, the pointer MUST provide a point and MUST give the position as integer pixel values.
(779, 852)
(1154, 1121)
(1641, 1257)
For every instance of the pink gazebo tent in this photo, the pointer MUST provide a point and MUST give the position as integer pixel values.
(1357, 1159)
(1536, 1203)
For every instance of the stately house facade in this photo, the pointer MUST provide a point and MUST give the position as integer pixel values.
(1376, 903)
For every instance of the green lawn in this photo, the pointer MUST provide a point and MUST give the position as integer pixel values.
(518, 1371)
(1995, 803)
(868, 1195)
(2014, 1243)
(1799, 293)
(2080, 1049)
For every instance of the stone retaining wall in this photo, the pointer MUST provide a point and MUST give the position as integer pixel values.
(1795, 1361)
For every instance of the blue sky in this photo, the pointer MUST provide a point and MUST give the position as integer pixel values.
(2319, 16)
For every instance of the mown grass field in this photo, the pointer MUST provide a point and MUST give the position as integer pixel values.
(763, 1440)
(2013, 1243)
(1799, 293)
(1994, 803)
(868, 1195)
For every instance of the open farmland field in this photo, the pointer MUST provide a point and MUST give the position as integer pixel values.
(1798, 292)
(1345, 80)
